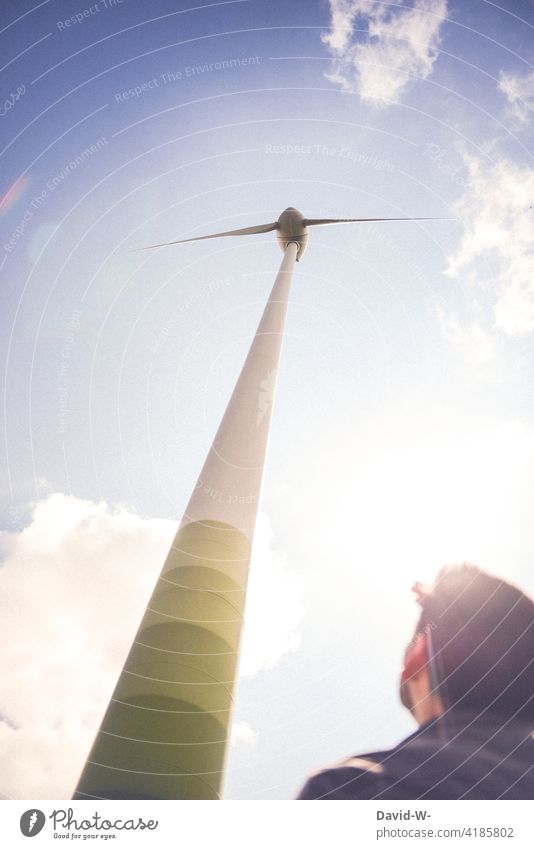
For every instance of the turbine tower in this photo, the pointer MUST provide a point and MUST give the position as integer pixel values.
(165, 732)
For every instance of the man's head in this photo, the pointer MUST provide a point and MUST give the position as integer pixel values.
(473, 648)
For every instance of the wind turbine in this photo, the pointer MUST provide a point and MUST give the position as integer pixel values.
(165, 732)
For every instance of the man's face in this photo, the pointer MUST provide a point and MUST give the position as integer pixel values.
(415, 690)
(415, 661)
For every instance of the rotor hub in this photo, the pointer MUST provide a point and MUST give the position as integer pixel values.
(292, 229)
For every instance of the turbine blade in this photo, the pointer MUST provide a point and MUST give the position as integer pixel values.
(244, 231)
(312, 222)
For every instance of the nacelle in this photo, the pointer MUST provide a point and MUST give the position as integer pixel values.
(292, 229)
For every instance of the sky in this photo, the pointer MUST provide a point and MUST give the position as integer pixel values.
(403, 429)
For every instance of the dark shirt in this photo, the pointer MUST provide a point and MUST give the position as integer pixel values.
(454, 757)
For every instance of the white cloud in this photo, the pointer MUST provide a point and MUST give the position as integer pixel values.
(73, 587)
(402, 43)
(519, 91)
(65, 632)
(243, 734)
(473, 342)
(273, 611)
(496, 248)
(392, 499)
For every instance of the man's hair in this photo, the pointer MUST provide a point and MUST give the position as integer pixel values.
(482, 636)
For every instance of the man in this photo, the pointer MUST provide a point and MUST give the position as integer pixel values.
(468, 680)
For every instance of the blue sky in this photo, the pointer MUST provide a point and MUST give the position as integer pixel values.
(403, 432)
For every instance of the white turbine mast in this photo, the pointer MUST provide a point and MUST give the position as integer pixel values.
(165, 732)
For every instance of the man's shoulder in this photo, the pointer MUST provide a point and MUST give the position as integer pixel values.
(370, 775)
(475, 762)
(351, 778)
